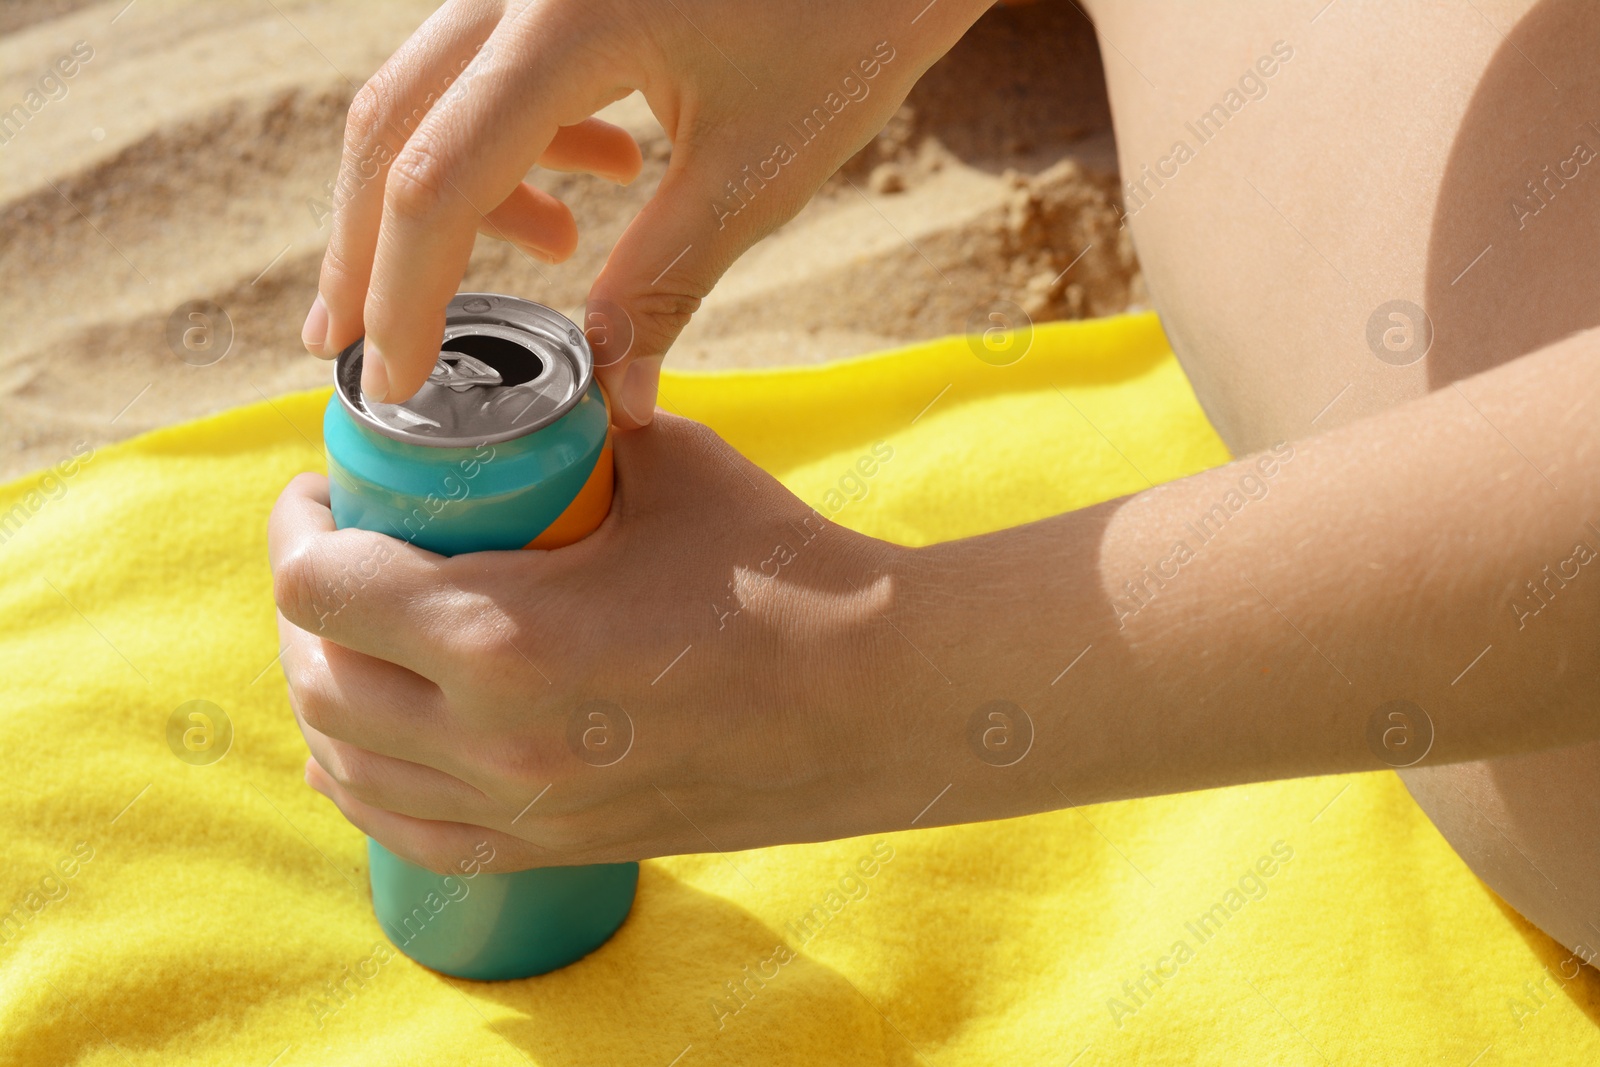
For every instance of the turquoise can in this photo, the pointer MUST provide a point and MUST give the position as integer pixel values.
(507, 446)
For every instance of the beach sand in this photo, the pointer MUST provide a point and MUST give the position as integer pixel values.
(189, 158)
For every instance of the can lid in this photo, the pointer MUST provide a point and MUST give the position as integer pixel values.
(507, 367)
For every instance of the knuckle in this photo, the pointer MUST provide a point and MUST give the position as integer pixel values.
(417, 182)
(667, 312)
(368, 115)
(308, 482)
(475, 627)
(508, 633)
(338, 271)
(318, 581)
(354, 775)
(296, 586)
(303, 684)
(368, 147)
(308, 683)
(496, 661)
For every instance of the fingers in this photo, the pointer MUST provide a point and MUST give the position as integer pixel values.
(651, 285)
(402, 787)
(709, 208)
(363, 701)
(597, 147)
(382, 115)
(469, 154)
(439, 846)
(634, 826)
(358, 589)
(537, 222)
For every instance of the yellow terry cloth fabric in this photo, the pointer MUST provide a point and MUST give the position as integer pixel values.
(158, 912)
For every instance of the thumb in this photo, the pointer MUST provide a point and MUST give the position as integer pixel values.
(697, 223)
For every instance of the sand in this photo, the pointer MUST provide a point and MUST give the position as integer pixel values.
(188, 159)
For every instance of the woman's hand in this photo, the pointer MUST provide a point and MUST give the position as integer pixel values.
(711, 669)
(762, 102)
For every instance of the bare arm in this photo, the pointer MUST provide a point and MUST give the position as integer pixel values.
(1249, 622)
(1386, 560)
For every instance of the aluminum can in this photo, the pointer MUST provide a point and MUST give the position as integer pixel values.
(506, 446)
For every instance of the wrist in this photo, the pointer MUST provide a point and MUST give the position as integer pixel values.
(1020, 657)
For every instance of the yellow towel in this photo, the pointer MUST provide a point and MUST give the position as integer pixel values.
(157, 911)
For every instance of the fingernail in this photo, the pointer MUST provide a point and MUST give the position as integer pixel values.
(314, 334)
(374, 375)
(638, 393)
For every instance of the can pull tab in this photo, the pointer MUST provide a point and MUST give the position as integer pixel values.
(460, 372)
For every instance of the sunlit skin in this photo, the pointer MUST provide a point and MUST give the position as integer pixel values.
(1409, 506)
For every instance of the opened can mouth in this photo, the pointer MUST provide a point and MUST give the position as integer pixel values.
(507, 367)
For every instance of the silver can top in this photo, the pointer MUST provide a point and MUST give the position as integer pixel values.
(506, 368)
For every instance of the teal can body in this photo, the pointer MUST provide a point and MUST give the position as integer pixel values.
(482, 498)
(541, 487)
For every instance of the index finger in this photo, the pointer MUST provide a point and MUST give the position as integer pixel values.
(362, 590)
(471, 150)
(383, 112)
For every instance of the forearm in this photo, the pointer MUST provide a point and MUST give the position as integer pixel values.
(1247, 623)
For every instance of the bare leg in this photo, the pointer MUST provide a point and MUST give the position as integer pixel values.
(1530, 827)
(1334, 163)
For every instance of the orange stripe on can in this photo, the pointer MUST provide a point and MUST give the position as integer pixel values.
(590, 507)
(586, 512)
